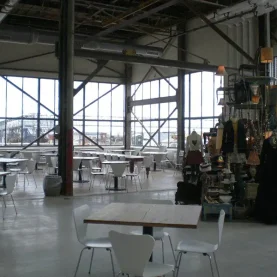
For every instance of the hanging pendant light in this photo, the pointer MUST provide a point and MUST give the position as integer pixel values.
(267, 55)
(221, 71)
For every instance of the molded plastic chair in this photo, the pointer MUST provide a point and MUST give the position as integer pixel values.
(201, 247)
(133, 252)
(118, 171)
(158, 232)
(31, 165)
(135, 174)
(79, 214)
(10, 183)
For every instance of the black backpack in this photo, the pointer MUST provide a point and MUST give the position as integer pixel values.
(242, 92)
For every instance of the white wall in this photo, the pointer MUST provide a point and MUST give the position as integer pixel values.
(208, 44)
(139, 70)
(47, 66)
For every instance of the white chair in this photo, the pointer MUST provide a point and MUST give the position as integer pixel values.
(10, 183)
(94, 174)
(158, 159)
(147, 163)
(76, 166)
(79, 214)
(158, 232)
(20, 168)
(28, 155)
(54, 162)
(133, 252)
(135, 174)
(201, 247)
(118, 172)
(31, 165)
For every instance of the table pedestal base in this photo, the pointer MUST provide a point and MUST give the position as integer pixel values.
(148, 231)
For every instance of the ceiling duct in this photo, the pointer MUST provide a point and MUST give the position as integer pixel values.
(22, 35)
(259, 6)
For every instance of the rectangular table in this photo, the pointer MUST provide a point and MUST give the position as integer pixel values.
(5, 161)
(147, 216)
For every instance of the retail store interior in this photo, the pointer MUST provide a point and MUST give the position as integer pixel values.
(138, 138)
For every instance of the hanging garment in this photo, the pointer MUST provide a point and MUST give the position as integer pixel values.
(194, 148)
(234, 135)
(266, 203)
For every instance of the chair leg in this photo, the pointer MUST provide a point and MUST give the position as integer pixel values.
(34, 180)
(162, 249)
(172, 249)
(77, 267)
(210, 258)
(112, 261)
(3, 207)
(14, 204)
(91, 260)
(139, 183)
(178, 263)
(216, 265)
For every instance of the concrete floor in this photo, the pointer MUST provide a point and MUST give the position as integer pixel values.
(41, 240)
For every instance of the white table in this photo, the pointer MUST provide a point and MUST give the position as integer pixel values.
(147, 216)
(5, 161)
(80, 167)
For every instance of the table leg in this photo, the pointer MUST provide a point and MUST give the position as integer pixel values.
(147, 171)
(4, 177)
(155, 165)
(80, 175)
(115, 183)
(132, 166)
(148, 231)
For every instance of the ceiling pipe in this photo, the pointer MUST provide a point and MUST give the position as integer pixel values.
(261, 7)
(31, 36)
(6, 9)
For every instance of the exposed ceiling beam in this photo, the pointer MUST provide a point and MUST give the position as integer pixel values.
(146, 60)
(132, 20)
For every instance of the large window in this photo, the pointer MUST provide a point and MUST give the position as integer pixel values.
(201, 109)
(29, 107)
(155, 116)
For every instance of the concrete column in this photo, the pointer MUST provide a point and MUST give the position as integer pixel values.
(128, 109)
(66, 55)
(181, 97)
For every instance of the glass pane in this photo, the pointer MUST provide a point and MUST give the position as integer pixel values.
(14, 108)
(14, 129)
(174, 83)
(2, 132)
(77, 137)
(187, 131)
(155, 89)
(164, 138)
(146, 112)
(57, 97)
(155, 111)
(208, 93)
(78, 101)
(30, 107)
(196, 126)
(29, 131)
(46, 125)
(196, 94)
(164, 110)
(47, 97)
(91, 112)
(137, 134)
(146, 90)
(173, 133)
(138, 112)
(154, 127)
(164, 88)
(3, 87)
(91, 131)
(146, 137)
(117, 133)
(118, 103)
(105, 101)
(206, 125)
(217, 109)
(138, 94)
(187, 93)
(104, 133)
(172, 106)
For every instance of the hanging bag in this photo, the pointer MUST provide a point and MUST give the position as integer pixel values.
(242, 93)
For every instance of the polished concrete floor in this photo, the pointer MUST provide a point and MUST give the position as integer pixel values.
(41, 240)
